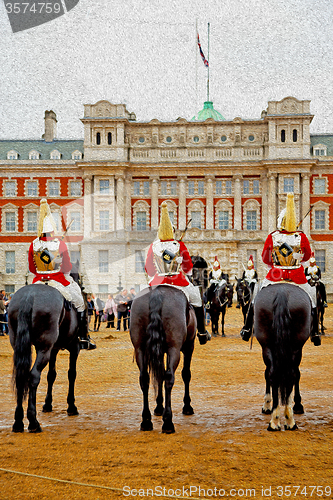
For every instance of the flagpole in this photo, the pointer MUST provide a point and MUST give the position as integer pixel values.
(196, 66)
(208, 66)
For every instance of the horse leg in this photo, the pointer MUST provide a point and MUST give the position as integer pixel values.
(172, 363)
(146, 424)
(290, 424)
(41, 361)
(274, 424)
(18, 425)
(73, 355)
(298, 407)
(186, 375)
(159, 401)
(267, 406)
(223, 315)
(51, 376)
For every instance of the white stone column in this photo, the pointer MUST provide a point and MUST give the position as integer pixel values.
(154, 201)
(264, 202)
(209, 202)
(87, 207)
(305, 190)
(272, 195)
(128, 205)
(182, 202)
(237, 202)
(120, 202)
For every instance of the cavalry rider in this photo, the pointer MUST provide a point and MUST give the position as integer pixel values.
(49, 261)
(283, 252)
(313, 273)
(218, 278)
(249, 275)
(168, 261)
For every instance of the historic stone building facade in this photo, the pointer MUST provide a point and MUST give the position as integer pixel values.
(230, 178)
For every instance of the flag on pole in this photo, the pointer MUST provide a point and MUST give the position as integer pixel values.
(206, 63)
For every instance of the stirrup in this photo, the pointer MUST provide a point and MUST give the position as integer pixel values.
(204, 337)
(316, 339)
(246, 334)
(238, 306)
(87, 344)
(325, 304)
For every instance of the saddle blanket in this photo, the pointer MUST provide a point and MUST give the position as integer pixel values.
(58, 286)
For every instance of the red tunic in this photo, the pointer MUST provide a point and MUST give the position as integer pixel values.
(178, 279)
(276, 273)
(65, 267)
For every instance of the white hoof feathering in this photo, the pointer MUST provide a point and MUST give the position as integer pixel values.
(289, 415)
(267, 406)
(275, 420)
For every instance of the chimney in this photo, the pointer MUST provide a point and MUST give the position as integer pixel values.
(50, 126)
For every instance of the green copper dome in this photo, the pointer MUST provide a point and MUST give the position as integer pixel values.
(208, 111)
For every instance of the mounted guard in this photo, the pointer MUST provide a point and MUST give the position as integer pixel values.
(284, 251)
(49, 261)
(249, 275)
(313, 275)
(168, 262)
(218, 278)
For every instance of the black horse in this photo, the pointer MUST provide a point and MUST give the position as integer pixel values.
(244, 295)
(162, 322)
(313, 281)
(216, 295)
(39, 315)
(282, 322)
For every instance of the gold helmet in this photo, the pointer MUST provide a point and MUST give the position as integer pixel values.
(312, 259)
(216, 264)
(165, 229)
(46, 222)
(287, 218)
(250, 263)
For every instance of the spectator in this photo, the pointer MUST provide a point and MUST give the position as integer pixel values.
(99, 306)
(91, 307)
(111, 311)
(6, 302)
(2, 315)
(122, 300)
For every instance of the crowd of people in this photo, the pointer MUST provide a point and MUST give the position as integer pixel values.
(4, 303)
(115, 311)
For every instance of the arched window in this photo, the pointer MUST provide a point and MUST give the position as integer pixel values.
(98, 138)
(294, 135)
(283, 135)
(109, 138)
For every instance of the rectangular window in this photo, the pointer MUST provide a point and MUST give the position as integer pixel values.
(10, 262)
(172, 217)
(196, 219)
(10, 221)
(136, 188)
(146, 188)
(251, 220)
(255, 187)
(228, 187)
(320, 256)
(164, 188)
(9, 289)
(103, 288)
(103, 261)
(32, 188)
(191, 188)
(319, 219)
(218, 187)
(104, 186)
(319, 186)
(54, 188)
(76, 218)
(10, 188)
(56, 218)
(246, 187)
(288, 185)
(173, 188)
(75, 188)
(75, 256)
(32, 221)
(223, 219)
(104, 220)
(139, 261)
(201, 187)
(141, 221)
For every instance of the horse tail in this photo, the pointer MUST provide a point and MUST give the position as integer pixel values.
(282, 350)
(22, 349)
(156, 337)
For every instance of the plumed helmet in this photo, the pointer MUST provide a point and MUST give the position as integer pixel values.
(287, 218)
(165, 229)
(312, 259)
(250, 263)
(216, 264)
(46, 222)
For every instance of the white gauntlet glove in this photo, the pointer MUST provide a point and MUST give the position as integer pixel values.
(57, 260)
(179, 259)
(298, 256)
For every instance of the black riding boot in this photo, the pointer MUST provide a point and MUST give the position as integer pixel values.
(246, 331)
(85, 340)
(315, 337)
(203, 335)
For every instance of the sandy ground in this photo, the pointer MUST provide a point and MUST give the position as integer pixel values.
(223, 450)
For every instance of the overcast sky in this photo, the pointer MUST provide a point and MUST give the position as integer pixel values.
(144, 54)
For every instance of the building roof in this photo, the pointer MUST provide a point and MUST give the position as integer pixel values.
(208, 111)
(23, 148)
(326, 139)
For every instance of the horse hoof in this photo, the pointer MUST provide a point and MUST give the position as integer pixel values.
(270, 428)
(158, 411)
(146, 426)
(223, 335)
(47, 408)
(266, 411)
(35, 430)
(18, 427)
(287, 428)
(298, 410)
(188, 410)
(169, 429)
(72, 412)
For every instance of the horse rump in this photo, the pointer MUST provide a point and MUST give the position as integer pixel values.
(155, 343)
